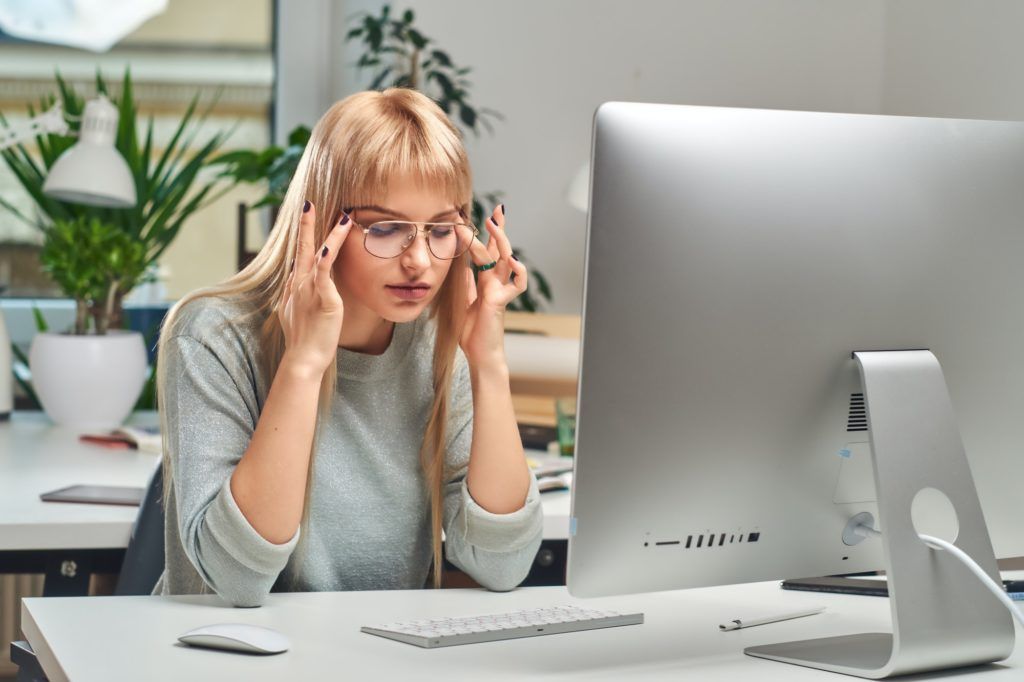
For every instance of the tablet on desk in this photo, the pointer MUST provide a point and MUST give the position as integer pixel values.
(97, 494)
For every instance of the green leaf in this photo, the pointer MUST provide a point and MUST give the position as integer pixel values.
(41, 325)
(444, 82)
(299, 135)
(441, 58)
(354, 33)
(408, 16)
(25, 386)
(468, 116)
(417, 39)
(374, 36)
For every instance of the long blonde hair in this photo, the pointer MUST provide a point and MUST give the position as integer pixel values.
(355, 149)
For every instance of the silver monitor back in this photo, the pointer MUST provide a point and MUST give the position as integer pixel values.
(735, 259)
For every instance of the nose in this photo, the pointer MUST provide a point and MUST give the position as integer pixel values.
(416, 256)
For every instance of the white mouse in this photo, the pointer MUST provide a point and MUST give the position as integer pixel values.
(237, 637)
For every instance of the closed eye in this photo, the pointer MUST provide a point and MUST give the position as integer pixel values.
(384, 229)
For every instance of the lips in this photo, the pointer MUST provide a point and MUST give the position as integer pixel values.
(409, 292)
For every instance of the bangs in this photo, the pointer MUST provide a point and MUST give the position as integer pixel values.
(400, 141)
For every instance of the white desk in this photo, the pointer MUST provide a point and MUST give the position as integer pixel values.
(36, 457)
(133, 638)
(67, 542)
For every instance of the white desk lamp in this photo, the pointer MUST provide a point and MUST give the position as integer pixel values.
(90, 172)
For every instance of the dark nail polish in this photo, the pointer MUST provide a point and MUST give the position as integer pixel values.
(503, 210)
(344, 219)
(493, 221)
(515, 256)
(306, 206)
(323, 253)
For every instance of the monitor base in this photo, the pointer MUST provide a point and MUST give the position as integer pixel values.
(942, 615)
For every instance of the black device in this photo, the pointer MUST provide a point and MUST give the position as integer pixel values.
(863, 586)
(96, 494)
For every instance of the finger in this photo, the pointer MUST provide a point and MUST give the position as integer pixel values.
(504, 267)
(479, 253)
(305, 252)
(286, 293)
(499, 238)
(332, 245)
(492, 242)
(289, 282)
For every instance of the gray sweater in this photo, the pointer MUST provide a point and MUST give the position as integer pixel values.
(369, 523)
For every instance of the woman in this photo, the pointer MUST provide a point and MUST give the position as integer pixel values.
(333, 406)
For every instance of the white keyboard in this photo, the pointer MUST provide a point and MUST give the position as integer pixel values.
(438, 632)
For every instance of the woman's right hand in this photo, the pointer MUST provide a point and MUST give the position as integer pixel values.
(311, 310)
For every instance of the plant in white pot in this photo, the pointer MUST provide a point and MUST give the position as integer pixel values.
(92, 377)
(82, 379)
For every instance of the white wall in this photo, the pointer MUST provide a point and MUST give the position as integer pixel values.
(303, 63)
(954, 58)
(547, 65)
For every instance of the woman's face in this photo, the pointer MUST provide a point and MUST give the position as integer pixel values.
(384, 287)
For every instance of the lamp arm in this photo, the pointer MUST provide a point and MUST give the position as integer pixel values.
(50, 121)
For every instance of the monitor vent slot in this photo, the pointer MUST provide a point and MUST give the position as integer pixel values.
(857, 419)
(706, 540)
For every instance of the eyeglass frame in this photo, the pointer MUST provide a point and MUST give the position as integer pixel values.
(420, 228)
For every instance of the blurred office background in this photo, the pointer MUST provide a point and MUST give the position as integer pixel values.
(545, 67)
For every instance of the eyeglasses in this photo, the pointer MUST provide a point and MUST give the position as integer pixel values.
(389, 238)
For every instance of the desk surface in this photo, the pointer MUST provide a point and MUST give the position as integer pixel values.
(36, 457)
(101, 637)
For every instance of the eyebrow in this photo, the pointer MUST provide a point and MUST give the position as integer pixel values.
(399, 214)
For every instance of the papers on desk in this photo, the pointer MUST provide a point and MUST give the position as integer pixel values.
(553, 473)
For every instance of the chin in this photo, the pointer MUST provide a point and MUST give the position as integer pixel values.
(406, 312)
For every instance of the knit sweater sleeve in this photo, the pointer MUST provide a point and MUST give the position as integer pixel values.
(496, 550)
(210, 406)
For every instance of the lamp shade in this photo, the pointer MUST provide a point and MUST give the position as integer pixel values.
(578, 192)
(93, 171)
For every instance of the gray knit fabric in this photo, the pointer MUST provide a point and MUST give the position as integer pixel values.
(369, 524)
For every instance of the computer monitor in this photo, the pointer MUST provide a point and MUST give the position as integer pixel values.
(741, 265)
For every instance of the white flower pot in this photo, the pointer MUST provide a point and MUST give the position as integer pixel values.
(88, 382)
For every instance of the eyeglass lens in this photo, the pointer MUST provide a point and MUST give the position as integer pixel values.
(445, 240)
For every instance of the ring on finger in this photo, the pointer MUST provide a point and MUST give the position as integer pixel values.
(485, 268)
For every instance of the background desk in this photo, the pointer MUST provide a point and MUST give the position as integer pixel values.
(43, 537)
(133, 638)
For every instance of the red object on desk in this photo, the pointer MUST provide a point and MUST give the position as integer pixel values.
(113, 442)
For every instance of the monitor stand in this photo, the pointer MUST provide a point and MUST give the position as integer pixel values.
(942, 616)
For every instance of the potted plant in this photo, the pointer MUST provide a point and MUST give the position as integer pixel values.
(91, 376)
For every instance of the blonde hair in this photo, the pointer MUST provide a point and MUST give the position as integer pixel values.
(358, 145)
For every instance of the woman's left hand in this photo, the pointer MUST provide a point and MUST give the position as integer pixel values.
(483, 334)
